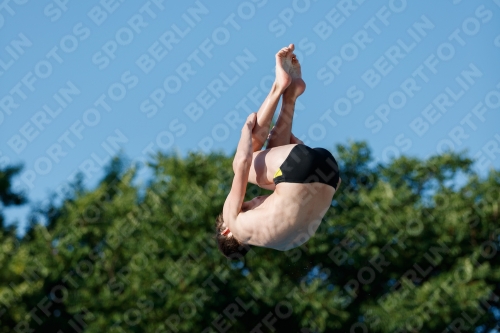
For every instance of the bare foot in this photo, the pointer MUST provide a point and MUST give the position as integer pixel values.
(283, 66)
(298, 86)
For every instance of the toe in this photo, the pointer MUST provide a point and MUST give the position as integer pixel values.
(283, 50)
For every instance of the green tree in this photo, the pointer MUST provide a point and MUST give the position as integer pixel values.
(10, 279)
(403, 249)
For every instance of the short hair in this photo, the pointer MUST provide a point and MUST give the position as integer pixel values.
(230, 247)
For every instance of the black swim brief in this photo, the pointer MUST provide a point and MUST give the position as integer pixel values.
(307, 165)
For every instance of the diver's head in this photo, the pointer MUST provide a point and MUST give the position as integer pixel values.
(230, 247)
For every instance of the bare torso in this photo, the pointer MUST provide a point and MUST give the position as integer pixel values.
(290, 215)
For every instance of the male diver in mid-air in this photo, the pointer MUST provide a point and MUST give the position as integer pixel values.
(303, 179)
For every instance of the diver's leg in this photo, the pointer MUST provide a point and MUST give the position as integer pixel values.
(268, 107)
(281, 134)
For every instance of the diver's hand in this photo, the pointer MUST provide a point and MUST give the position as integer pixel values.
(244, 152)
(250, 122)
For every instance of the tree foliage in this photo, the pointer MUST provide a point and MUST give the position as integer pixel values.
(402, 249)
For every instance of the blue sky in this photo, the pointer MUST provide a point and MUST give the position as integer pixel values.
(82, 81)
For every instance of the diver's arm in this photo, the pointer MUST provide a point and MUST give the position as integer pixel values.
(241, 167)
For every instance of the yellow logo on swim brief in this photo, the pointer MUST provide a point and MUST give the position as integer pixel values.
(278, 173)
